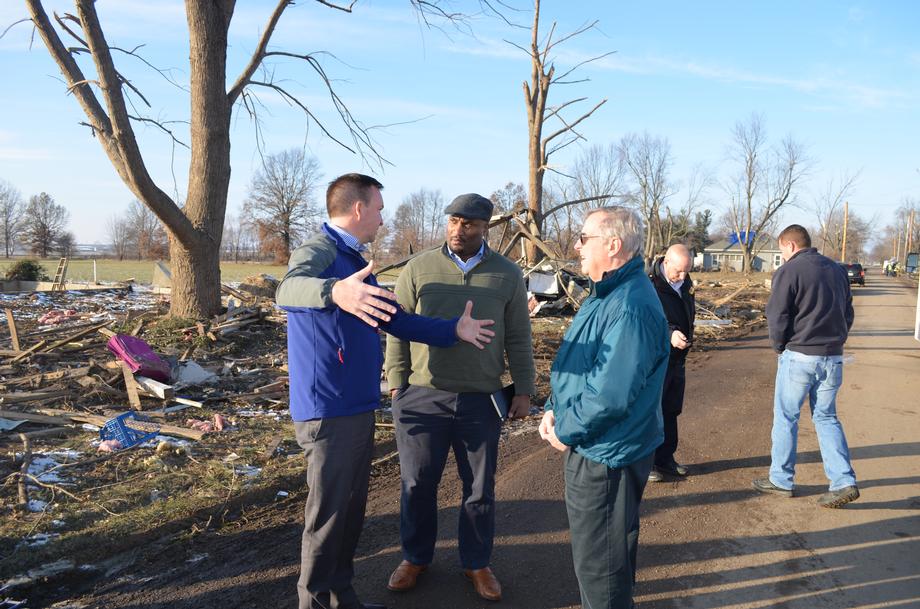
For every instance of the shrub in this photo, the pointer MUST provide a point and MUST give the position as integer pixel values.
(26, 270)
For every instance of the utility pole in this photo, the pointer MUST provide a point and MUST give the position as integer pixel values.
(846, 215)
(910, 232)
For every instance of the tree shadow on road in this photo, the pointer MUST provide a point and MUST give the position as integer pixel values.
(878, 451)
(831, 568)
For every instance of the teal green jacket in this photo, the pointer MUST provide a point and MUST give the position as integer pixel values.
(607, 377)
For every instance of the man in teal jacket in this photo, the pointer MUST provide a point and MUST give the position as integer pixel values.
(605, 407)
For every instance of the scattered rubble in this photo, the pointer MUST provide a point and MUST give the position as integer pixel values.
(216, 427)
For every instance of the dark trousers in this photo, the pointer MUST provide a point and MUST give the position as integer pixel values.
(429, 423)
(603, 508)
(338, 452)
(672, 404)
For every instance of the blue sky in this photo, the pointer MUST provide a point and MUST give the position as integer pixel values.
(843, 78)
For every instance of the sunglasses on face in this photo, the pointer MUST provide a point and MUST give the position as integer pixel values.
(583, 238)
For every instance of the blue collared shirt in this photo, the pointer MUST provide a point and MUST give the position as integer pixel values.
(349, 239)
(465, 267)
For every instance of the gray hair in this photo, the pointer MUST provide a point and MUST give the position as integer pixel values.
(624, 224)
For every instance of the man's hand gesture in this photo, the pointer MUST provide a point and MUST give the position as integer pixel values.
(472, 330)
(362, 300)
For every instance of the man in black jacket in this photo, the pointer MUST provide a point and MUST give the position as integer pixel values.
(669, 274)
(810, 313)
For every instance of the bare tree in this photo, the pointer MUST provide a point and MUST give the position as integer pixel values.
(45, 222)
(65, 244)
(418, 222)
(147, 236)
(109, 100)
(541, 147)
(12, 210)
(907, 223)
(119, 233)
(511, 197)
(648, 164)
(828, 207)
(281, 199)
(766, 181)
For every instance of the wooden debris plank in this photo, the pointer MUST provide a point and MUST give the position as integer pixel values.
(134, 399)
(106, 332)
(270, 448)
(23, 354)
(73, 337)
(56, 375)
(271, 387)
(50, 432)
(59, 329)
(235, 293)
(728, 298)
(154, 387)
(138, 326)
(94, 419)
(30, 396)
(33, 418)
(14, 335)
(188, 402)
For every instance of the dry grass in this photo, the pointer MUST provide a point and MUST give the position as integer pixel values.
(142, 270)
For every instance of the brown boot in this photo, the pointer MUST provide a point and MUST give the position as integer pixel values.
(486, 584)
(405, 576)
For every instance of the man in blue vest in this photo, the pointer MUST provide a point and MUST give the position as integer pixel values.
(335, 308)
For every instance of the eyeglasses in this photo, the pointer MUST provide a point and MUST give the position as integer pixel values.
(582, 238)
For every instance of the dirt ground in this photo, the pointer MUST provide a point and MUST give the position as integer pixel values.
(708, 541)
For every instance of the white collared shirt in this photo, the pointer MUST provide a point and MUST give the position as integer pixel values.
(676, 285)
(467, 266)
(349, 239)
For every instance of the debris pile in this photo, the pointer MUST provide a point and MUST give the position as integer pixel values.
(80, 427)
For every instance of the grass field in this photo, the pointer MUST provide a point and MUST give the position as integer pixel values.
(142, 270)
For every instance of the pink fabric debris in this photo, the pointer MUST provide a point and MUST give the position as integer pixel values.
(56, 316)
(109, 446)
(219, 423)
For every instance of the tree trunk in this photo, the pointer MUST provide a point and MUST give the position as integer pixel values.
(195, 293)
(195, 280)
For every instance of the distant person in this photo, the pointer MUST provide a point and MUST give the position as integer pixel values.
(442, 397)
(604, 411)
(670, 277)
(334, 307)
(809, 313)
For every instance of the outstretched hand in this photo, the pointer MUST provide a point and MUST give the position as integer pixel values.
(474, 331)
(362, 300)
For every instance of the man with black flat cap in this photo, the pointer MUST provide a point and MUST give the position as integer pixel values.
(442, 396)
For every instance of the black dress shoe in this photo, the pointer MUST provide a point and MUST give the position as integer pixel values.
(673, 468)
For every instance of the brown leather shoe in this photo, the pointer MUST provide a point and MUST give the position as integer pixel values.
(405, 576)
(485, 583)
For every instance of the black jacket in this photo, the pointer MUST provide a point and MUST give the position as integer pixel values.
(679, 310)
(810, 309)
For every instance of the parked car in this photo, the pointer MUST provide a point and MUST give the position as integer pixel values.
(855, 272)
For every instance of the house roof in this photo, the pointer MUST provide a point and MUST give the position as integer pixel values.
(765, 244)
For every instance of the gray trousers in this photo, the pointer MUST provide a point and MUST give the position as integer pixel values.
(603, 508)
(338, 452)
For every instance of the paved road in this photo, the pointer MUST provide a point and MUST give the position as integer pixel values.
(707, 542)
(711, 541)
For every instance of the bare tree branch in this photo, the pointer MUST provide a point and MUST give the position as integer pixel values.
(259, 54)
(570, 127)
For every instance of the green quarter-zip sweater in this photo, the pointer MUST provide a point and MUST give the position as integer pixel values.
(432, 284)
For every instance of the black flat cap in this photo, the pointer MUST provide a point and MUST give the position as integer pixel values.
(472, 206)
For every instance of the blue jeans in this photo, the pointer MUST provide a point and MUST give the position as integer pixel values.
(817, 377)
